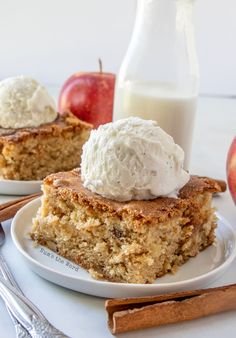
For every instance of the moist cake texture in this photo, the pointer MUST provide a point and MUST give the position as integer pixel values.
(133, 242)
(34, 153)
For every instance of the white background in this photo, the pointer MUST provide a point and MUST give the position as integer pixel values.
(51, 39)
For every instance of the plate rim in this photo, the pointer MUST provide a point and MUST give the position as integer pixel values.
(166, 285)
(2, 180)
(19, 188)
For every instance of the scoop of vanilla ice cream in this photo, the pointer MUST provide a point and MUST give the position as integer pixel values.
(25, 103)
(132, 159)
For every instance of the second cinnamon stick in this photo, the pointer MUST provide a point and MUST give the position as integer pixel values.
(9, 209)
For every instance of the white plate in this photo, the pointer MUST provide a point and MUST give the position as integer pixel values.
(12, 187)
(196, 273)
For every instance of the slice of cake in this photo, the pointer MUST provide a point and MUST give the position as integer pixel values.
(34, 140)
(134, 241)
(33, 153)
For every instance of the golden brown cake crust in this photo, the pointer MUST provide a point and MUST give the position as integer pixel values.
(160, 208)
(65, 121)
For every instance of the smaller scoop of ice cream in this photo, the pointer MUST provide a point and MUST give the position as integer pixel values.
(25, 103)
(132, 159)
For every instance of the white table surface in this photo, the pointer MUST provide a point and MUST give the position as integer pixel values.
(83, 316)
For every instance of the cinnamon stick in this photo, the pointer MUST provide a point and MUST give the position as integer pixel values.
(9, 209)
(222, 184)
(129, 314)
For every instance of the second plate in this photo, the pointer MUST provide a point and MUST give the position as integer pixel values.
(12, 187)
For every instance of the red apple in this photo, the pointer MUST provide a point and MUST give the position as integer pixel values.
(231, 169)
(89, 96)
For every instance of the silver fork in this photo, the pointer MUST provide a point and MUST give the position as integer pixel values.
(27, 318)
(7, 275)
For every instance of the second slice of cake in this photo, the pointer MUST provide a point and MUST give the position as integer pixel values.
(35, 140)
(33, 153)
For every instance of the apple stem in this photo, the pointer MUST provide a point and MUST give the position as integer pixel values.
(100, 65)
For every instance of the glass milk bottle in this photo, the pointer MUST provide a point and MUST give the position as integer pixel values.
(158, 78)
